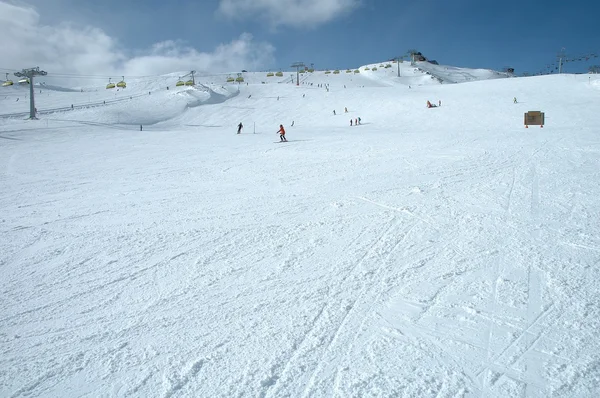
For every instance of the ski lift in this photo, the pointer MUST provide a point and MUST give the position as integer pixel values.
(230, 79)
(348, 71)
(270, 74)
(110, 84)
(7, 82)
(122, 83)
(189, 83)
(180, 83)
(367, 68)
(356, 71)
(327, 72)
(336, 72)
(239, 79)
(24, 81)
(374, 68)
(279, 74)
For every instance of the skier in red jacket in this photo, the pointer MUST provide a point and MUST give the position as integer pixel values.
(281, 132)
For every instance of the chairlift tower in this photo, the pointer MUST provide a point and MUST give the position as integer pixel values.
(560, 56)
(298, 65)
(398, 59)
(29, 74)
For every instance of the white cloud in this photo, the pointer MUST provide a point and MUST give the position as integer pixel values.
(169, 56)
(297, 13)
(85, 50)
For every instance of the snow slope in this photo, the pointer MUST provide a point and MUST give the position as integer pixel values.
(445, 252)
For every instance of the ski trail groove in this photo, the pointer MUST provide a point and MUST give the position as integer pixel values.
(313, 334)
(319, 365)
(491, 321)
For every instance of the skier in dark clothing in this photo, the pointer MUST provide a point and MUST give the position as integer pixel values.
(240, 127)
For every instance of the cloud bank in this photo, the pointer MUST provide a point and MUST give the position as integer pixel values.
(68, 48)
(295, 13)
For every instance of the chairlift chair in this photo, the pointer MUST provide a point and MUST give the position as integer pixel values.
(7, 82)
(122, 83)
(24, 81)
(180, 83)
(110, 84)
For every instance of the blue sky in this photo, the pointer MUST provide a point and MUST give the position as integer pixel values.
(271, 34)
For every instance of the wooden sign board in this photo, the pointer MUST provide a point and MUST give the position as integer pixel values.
(534, 118)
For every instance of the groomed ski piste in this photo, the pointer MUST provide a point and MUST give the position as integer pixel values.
(427, 252)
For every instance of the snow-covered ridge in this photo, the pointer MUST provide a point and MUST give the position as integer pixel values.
(150, 100)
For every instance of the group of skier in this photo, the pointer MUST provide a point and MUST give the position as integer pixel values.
(281, 131)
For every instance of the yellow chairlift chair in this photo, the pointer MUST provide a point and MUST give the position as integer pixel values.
(110, 85)
(7, 82)
(122, 83)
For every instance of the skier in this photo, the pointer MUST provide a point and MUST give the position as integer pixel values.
(350, 122)
(240, 127)
(281, 132)
(514, 100)
(358, 120)
(345, 110)
(334, 112)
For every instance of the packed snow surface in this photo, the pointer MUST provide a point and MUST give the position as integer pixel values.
(443, 252)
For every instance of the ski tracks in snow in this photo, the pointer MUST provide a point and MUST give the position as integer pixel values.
(361, 309)
(347, 307)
